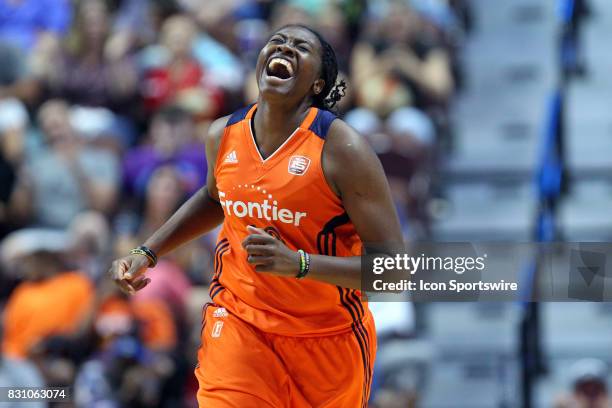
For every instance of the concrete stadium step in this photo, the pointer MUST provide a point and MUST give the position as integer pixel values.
(502, 102)
(498, 135)
(484, 211)
(576, 329)
(589, 148)
(491, 15)
(473, 383)
(503, 58)
(585, 214)
(473, 328)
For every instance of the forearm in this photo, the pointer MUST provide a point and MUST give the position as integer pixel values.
(336, 270)
(195, 217)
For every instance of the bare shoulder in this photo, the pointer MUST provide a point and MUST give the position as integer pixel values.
(212, 138)
(215, 131)
(343, 142)
(348, 158)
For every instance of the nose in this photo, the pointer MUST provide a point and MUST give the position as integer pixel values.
(285, 49)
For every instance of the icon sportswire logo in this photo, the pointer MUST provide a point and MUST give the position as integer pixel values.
(267, 209)
(231, 157)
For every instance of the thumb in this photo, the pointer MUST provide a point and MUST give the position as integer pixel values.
(255, 230)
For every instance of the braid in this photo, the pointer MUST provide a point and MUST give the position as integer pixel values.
(332, 92)
(337, 92)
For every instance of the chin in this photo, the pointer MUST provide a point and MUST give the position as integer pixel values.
(269, 89)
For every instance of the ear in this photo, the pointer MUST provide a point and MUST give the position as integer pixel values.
(318, 86)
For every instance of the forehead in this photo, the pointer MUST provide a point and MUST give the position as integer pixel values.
(298, 33)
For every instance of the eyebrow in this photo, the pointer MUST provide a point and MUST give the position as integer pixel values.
(296, 40)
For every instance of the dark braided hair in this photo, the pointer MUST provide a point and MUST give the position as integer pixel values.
(332, 92)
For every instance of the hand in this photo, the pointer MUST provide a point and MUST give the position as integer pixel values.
(128, 273)
(269, 254)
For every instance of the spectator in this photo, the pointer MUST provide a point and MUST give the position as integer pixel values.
(164, 192)
(394, 65)
(16, 80)
(408, 165)
(86, 75)
(24, 26)
(179, 78)
(48, 285)
(131, 357)
(164, 195)
(171, 141)
(90, 237)
(589, 386)
(67, 176)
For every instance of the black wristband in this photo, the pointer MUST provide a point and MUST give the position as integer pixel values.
(143, 250)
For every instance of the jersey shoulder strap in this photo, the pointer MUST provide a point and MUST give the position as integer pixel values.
(322, 122)
(239, 115)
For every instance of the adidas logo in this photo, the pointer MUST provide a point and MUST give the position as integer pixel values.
(231, 157)
(221, 312)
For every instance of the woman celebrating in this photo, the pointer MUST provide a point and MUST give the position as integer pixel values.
(298, 192)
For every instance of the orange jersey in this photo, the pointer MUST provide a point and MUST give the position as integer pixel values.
(287, 195)
(37, 310)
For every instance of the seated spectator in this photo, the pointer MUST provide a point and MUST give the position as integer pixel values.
(16, 80)
(223, 68)
(395, 65)
(408, 165)
(68, 176)
(589, 386)
(172, 142)
(405, 146)
(90, 236)
(24, 25)
(178, 77)
(101, 128)
(48, 285)
(131, 359)
(86, 76)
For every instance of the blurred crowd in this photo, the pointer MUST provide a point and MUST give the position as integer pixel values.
(103, 104)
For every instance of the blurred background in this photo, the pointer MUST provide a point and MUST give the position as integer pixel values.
(491, 119)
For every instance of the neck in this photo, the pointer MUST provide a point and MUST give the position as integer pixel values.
(274, 122)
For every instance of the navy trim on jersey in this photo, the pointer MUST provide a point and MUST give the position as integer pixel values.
(238, 115)
(321, 124)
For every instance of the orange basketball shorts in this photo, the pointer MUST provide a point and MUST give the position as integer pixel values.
(240, 366)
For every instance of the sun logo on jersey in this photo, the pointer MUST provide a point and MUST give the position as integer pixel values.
(298, 165)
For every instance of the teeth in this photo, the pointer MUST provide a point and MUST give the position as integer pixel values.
(283, 62)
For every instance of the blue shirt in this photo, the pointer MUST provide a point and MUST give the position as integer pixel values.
(22, 20)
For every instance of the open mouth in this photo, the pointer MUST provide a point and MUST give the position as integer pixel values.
(279, 68)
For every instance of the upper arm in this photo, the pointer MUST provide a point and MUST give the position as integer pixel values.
(212, 140)
(355, 173)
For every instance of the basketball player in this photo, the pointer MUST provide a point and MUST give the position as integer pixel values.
(298, 191)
